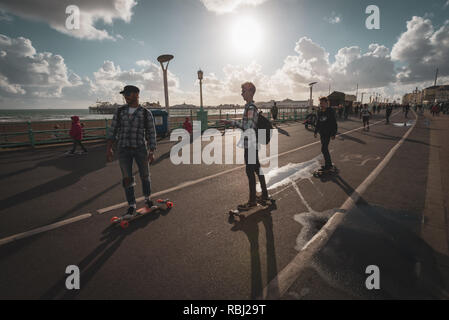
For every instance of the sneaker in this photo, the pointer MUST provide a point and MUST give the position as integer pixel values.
(247, 206)
(69, 153)
(149, 203)
(263, 200)
(130, 213)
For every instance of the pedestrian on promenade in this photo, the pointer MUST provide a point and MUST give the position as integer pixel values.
(434, 110)
(187, 125)
(274, 112)
(76, 133)
(407, 109)
(134, 132)
(340, 111)
(326, 126)
(388, 112)
(365, 114)
(249, 122)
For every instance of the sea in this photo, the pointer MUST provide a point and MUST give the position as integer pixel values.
(24, 115)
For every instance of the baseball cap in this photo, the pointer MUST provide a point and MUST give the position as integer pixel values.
(129, 89)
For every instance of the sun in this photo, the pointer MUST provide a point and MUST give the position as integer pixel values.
(246, 35)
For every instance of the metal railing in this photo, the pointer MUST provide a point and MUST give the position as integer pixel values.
(32, 137)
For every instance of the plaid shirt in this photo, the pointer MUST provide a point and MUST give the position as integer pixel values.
(249, 121)
(250, 117)
(131, 132)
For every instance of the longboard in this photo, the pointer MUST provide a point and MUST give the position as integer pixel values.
(159, 205)
(321, 172)
(244, 214)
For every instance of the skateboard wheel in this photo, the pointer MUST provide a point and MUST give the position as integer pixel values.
(124, 224)
(114, 219)
(169, 204)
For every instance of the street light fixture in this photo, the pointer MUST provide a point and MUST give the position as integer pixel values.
(311, 89)
(165, 58)
(200, 77)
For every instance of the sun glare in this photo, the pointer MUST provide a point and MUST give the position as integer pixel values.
(246, 35)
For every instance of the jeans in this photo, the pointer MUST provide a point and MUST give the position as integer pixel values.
(251, 171)
(325, 139)
(126, 158)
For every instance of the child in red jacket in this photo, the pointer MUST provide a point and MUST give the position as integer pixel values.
(77, 135)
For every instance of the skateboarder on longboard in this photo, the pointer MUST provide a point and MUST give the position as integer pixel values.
(134, 132)
(249, 121)
(326, 126)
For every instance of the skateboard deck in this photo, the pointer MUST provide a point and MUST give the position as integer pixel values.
(321, 172)
(158, 205)
(243, 213)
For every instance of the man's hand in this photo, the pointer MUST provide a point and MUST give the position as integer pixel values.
(110, 155)
(150, 157)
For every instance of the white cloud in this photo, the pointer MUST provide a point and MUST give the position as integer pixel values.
(422, 49)
(333, 19)
(91, 11)
(109, 80)
(226, 6)
(446, 4)
(26, 72)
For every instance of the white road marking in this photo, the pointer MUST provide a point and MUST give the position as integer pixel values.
(43, 229)
(194, 182)
(283, 281)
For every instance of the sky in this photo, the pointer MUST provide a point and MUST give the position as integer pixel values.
(280, 45)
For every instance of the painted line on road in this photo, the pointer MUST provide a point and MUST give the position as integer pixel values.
(194, 182)
(43, 229)
(285, 279)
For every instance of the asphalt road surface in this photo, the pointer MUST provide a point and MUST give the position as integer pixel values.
(196, 251)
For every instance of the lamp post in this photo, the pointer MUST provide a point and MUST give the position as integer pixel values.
(165, 58)
(200, 77)
(311, 89)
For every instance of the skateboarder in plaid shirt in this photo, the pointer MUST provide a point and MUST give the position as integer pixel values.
(135, 133)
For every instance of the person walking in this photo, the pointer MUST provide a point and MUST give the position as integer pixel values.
(326, 126)
(134, 132)
(365, 114)
(249, 122)
(76, 133)
(274, 112)
(388, 112)
(407, 109)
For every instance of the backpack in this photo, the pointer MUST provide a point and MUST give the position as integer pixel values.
(264, 123)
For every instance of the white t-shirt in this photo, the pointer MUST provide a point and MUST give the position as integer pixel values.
(131, 110)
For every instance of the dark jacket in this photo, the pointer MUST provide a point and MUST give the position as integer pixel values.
(326, 123)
